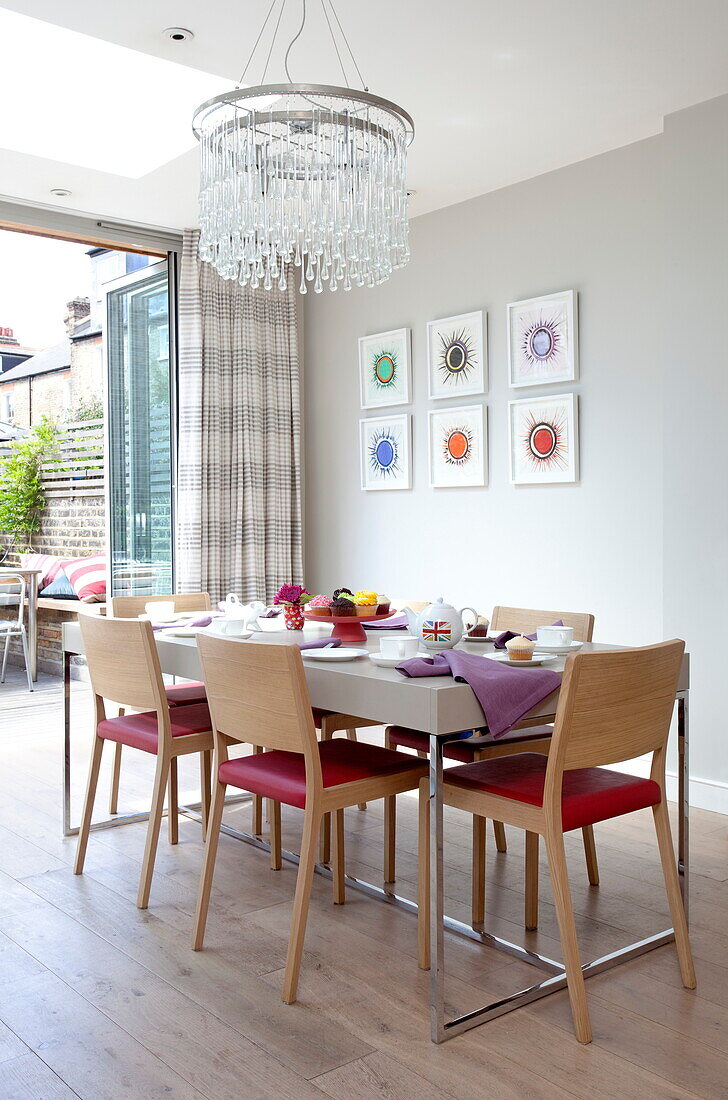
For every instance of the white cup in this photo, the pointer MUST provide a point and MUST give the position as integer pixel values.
(401, 647)
(160, 611)
(555, 635)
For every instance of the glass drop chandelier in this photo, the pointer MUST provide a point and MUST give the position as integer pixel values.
(303, 174)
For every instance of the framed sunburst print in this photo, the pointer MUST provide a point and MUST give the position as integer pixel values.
(386, 452)
(384, 369)
(544, 440)
(543, 340)
(458, 447)
(457, 356)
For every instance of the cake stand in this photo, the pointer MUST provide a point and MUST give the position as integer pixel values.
(347, 627)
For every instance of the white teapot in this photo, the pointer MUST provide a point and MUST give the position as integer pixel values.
(246, 612)
(440, 625)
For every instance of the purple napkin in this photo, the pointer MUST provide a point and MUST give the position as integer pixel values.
(505, 693)
(396, 622)
(204, 620)
(320, 643)
(500, 642)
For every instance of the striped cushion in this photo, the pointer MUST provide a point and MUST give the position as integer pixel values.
(49, 565)
(88, 577)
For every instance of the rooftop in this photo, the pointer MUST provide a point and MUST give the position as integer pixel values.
(57, 357)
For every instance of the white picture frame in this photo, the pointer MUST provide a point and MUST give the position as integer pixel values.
(385, 448)
(543, 340)
(457, 356)
(385, 369)
(543, 435)
(458, 447)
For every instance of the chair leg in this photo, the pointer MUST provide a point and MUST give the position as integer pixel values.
(208, 867)
(311, 826)
(88, 806)
(5, 657)
(205, 789)
(26, 656)
(257, 804)
(532, 854)
(590, 851)
(390, 837)
(274, 812)
(325, 843)
(477, 915)
(339, 858)
(674, 897)
(173, 803)
(351, 734)
(567, 930)
(423, 877)
(115, 775)
(499, 832)
(155, 820)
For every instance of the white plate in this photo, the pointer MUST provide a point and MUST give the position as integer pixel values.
(182, 632)
(334, 654)
(214, 628)
(392, 662)
(478, 641)
(571, 648)
(504, 659)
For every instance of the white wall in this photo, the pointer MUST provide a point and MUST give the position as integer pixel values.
(600, 227)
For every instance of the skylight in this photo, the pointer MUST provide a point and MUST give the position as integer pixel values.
(76, 99)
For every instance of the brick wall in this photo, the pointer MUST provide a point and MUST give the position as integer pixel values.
(71, 527)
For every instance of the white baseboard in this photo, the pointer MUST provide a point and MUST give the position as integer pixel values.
(705, 794)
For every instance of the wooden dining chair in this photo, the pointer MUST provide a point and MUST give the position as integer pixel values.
(258, 695)
(124, 666)
(190, 691)
(613, 706)
(531, 735)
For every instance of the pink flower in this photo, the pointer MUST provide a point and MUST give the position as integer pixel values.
(294, 594)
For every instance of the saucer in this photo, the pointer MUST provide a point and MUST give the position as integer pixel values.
(341, 653)
(392, 662)
(559, 649)
(504, 659)
(478, 640)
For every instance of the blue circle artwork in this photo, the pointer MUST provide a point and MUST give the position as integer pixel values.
(542, 343)
(384, 453)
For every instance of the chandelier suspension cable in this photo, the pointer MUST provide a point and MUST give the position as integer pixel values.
(260, 35)
(273, 40)
(336, 47)
(346, 41)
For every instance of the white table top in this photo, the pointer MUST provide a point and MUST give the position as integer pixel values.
(435, 704)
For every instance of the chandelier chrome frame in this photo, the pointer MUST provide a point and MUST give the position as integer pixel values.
(312, 175)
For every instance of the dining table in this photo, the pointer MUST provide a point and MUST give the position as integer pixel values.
(443, 708)
(30, 576)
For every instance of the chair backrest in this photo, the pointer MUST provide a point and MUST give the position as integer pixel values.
(524, 620)
(398, 603)
(12, 592)
(130, 607)
(614, 705)
(122, 661)
(257, 693)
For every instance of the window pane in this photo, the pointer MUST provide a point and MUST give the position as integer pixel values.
(140, 454)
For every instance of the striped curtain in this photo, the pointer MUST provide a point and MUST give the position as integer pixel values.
(239, 467)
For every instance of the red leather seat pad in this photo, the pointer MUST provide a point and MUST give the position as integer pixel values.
(179, 695)
(139, 731)
(282, 775)
(463, 750)
(588, 794)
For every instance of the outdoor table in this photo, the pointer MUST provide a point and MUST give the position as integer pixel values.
(441, 708)
(30, 577)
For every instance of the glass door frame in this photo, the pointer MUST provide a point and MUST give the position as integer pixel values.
(170, 267)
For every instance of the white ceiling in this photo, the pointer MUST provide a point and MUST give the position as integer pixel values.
(499, 92)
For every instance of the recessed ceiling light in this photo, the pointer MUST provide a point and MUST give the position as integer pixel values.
(60, 192)
(178, 34)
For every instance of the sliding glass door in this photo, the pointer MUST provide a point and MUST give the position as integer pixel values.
(140, 402)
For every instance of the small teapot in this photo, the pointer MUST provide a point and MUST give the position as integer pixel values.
(440, 625)
(246, 612)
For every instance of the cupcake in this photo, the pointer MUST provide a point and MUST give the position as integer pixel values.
(480, 630)
(365, 602)
(520, 648)
(383, 604)
(343, 606)
(342, 592)
(319, 605)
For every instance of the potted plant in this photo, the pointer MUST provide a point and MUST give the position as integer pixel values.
(293, 598)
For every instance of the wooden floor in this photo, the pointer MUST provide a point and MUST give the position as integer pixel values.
(99, 1000)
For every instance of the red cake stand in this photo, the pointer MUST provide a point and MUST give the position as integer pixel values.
(347, 627)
